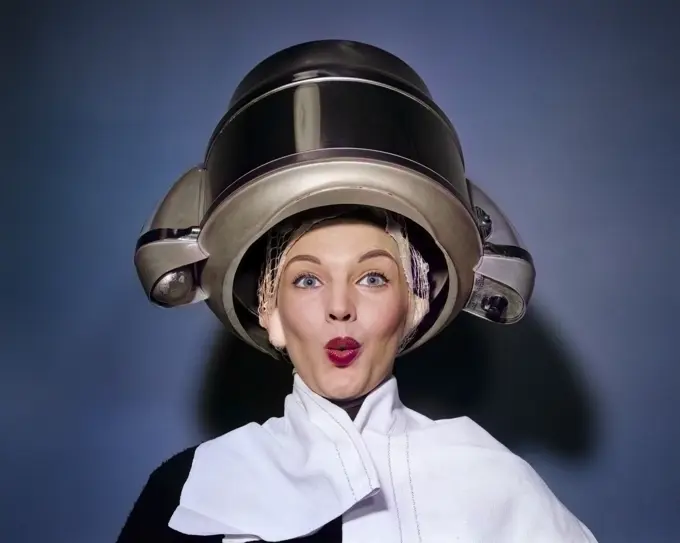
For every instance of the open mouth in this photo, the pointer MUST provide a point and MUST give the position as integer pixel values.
(342, 351)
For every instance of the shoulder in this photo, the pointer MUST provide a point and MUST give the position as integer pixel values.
(499, 482)
(163, 488)
(157, 501)
(463, 432)
(481, 453)
(534, 511)
(173, 471)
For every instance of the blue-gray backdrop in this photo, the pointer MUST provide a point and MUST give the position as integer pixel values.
(568, 113)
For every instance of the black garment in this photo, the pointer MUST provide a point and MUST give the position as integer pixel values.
(148, 521)
(351, 407)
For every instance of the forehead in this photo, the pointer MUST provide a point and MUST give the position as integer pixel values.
(344, 238)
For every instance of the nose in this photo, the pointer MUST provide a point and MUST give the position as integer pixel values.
(340, 306)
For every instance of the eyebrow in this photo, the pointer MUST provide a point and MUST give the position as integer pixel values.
(303, 258)
(374, 253)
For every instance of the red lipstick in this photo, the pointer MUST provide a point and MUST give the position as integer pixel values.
(342, 351)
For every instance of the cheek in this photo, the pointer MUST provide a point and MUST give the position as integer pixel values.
(384, 318)
(302, 317)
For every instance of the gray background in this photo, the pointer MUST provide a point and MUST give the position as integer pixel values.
(568, 113)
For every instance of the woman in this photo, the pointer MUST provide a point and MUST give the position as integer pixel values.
(340, 243)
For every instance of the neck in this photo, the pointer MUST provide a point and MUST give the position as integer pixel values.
(352, 405)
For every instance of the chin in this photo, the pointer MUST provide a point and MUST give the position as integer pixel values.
(342, 388)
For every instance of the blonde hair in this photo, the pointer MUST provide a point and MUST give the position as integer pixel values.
(281, 239)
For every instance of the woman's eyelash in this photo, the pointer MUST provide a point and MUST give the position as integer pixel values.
(302, 276)
(376, 274)
(313, 277)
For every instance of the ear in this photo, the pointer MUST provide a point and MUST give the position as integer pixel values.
(275, 330)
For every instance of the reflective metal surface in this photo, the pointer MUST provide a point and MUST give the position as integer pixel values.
(328, 58)
(241, 219)
(314, 119)
(505, 275)
(321, 124)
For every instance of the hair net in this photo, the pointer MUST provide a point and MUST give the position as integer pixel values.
(283, 237)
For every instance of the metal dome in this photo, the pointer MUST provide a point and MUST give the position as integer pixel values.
(331, 123)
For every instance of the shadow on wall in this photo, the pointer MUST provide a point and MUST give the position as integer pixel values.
(517, 382)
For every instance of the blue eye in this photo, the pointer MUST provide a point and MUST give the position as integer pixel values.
(373, 279)
(307, 281)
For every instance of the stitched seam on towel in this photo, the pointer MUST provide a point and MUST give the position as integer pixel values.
(413, 494)
(363, 465)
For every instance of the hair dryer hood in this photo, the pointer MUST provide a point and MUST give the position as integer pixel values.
(331, 123)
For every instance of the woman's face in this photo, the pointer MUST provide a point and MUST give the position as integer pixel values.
(342, 308)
